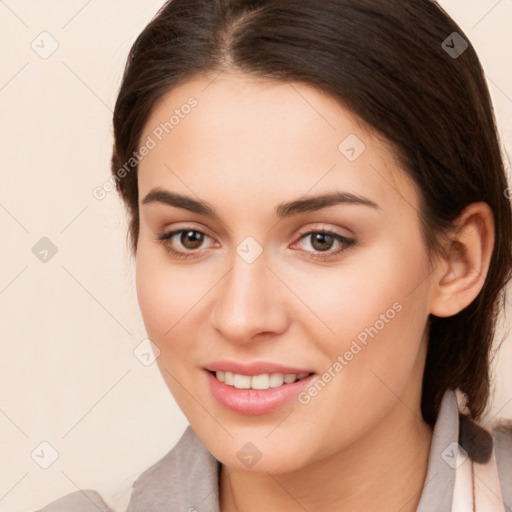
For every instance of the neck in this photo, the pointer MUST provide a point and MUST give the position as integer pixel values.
(383, 470)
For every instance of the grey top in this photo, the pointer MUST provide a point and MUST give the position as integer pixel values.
(186, 479)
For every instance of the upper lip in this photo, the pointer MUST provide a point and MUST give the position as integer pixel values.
(256, 368)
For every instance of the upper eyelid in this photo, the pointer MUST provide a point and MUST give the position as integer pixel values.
(319, 226)
(300, 235)
(165, 231)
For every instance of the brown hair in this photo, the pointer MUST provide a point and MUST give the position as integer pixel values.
(400, 68)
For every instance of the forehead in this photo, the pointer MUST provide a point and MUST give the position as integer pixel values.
(250, 135)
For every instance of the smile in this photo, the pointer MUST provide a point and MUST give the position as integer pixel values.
(256, 394)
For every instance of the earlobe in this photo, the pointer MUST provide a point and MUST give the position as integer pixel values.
(461, 271)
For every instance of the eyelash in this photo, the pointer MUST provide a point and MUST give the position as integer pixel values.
(347, 243)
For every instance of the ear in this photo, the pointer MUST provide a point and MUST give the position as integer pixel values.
(461, 271)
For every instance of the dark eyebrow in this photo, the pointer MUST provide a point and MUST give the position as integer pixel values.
(308, 204)
(311, 204)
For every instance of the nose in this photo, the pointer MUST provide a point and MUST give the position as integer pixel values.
(249, 302)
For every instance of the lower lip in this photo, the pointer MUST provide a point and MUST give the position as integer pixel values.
(254, 401)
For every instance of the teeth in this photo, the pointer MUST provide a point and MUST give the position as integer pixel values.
(263, 381)
(290, 377)
(242, 381)
(260, 381)
(276, 380)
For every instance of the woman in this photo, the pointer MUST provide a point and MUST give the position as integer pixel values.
(319, 216)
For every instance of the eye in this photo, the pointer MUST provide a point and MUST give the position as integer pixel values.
(323, 240)
(190, 239)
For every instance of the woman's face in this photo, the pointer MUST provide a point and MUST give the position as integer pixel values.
(263, 288)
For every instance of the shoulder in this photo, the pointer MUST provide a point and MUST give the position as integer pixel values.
(86, 500)
(185, 478)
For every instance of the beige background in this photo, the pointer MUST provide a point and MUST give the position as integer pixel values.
(68, 374)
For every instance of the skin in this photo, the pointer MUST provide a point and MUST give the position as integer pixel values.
(249, 145)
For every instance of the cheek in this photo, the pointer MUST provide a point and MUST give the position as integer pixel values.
(364, 288)
(165, 294)
(377, 309)
(166, 298)
(373, 311)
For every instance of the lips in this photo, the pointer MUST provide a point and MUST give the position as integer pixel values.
(255, 368)
(254, 401)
